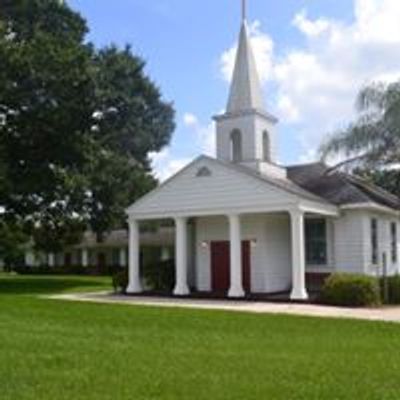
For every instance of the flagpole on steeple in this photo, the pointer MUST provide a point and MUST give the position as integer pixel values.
(244, 10)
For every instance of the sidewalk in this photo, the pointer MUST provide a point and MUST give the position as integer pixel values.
(388, 314)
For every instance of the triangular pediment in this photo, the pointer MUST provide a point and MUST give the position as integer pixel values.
(208, 185)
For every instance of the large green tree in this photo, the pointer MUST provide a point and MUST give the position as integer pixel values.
(45, 105)
(76, 124)
(131, 121)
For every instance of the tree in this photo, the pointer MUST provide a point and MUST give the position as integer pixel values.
(46, 108)
(373, 141)
(12, 240)
(132, 121)
(114, 183)
(76, 124)
(383, 178)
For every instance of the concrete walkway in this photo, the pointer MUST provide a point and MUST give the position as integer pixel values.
(388, 314)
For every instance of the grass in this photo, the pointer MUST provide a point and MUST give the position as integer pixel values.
(59, 350)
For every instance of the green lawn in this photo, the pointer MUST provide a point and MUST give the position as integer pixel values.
(53, 350)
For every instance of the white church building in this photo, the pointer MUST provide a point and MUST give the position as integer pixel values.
(245, 225)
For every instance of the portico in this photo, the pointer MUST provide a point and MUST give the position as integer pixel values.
(238, 228)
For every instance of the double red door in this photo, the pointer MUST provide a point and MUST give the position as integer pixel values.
(220, 266)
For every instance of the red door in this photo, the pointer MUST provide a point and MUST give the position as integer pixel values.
(220, 266)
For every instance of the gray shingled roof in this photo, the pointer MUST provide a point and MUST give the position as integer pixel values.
(339, 188)
(284, 184)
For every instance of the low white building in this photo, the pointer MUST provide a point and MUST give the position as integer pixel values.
(246, 225)
(156, 244)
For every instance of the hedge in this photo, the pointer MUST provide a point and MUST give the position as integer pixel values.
(158, 276)
(351, 290)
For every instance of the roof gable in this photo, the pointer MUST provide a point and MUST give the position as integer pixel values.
(224, 187)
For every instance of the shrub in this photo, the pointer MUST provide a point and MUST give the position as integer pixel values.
(393, 289)
(351, 290)
(160, 276)
(120, 281)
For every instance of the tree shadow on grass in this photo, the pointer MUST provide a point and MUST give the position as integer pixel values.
(49, 285)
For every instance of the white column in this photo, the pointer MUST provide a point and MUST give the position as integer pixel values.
(135, 285)
(181, 286)
(299, 291)
(29, 259)
(165, 256)
(236, 287)
(85, 258)
(51, 259)
(122, 257)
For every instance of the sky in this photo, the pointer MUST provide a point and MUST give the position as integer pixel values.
(313, 56)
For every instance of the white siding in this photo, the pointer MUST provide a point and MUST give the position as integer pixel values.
(225, 189)
(384, 242)
(270, 258)
(350, 242)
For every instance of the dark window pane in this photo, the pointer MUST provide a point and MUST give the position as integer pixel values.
(374, 241)
(316, 242)
(393, 230)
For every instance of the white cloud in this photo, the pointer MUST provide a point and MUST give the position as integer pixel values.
(204, 134)
(166, 165)
(315, 85)
(310, 28)
(190, 119)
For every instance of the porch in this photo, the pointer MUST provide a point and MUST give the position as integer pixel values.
(231, 264)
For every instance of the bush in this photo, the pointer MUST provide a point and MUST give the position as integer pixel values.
(351, 290)
(120, 281)
(160, 276)
(393, 286)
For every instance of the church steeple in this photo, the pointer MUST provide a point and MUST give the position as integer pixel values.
(245, 92)
(246, 131)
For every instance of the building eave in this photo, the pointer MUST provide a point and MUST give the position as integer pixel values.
(370, 207)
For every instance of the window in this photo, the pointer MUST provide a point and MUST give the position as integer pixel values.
(115, 257)
(374, 241)
(203, 172)
(236, 146)
(266, 147)
(316, 242)
(393, 235)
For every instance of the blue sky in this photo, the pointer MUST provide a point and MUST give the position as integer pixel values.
(313, 56)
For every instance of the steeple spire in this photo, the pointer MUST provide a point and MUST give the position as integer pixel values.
(245, 92)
